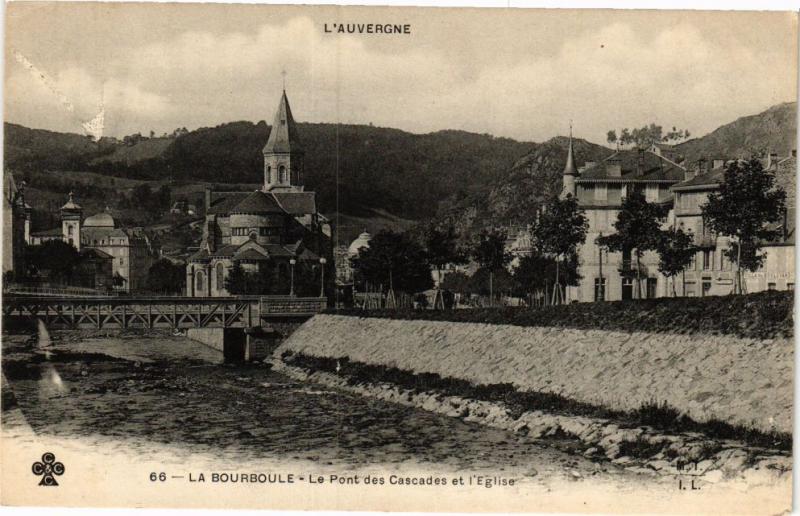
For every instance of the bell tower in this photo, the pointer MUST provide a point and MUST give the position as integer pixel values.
(283, 153)
(71, 214)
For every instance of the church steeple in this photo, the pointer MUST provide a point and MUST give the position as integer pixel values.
(570, 170)
(283, 153)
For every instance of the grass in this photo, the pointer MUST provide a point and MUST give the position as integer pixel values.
(659, 416)
(764, 315)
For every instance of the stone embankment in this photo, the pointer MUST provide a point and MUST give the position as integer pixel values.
(639, 449)
(739, 381)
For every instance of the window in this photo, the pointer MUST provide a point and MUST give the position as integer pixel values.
(69, 230)
(220, 275)
(708, 260)
(651, 193)
(706, 287)
(770, 286)
(268, 231)
(239, 231)
(269, 174)
(282, 174)
(599, 289)
(600, 192)
(652, 284)
(692, 263)
(199, 278)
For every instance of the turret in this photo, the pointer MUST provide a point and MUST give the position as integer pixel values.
(570, 172)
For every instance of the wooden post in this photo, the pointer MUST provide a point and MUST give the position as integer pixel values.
(124, 324)
(99, 317)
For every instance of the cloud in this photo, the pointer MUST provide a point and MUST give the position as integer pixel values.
(617, 74)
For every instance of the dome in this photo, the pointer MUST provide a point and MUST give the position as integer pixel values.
(362, 241)
(100, 220)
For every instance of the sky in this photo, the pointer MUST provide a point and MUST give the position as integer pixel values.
(518, 73)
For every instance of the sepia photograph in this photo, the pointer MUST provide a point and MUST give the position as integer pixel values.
(404, 259)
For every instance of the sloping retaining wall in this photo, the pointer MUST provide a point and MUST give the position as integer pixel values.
(744, 381)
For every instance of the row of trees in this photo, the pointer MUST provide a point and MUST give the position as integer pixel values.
(646, 136)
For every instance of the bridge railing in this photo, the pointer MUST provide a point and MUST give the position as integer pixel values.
(55, 291)
(287, 305)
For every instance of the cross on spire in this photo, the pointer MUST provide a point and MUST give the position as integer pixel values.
(283, 73)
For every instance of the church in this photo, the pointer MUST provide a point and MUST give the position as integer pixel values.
(277, 227)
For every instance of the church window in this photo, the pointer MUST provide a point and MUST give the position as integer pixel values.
(69, 230)
(269, 174)
(199, 280)
(220, 275)
(253, 235)
(282, 174)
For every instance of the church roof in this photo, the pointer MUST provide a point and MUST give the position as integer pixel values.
(250, 254)
(283, 136)
(258, 202)
(223, 202)
(297, 203)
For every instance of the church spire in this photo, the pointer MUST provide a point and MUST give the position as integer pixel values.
(283, 136)
(283, 153)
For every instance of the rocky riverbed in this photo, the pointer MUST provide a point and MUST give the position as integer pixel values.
(161, 392)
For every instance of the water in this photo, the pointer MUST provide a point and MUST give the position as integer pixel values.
(167, 393)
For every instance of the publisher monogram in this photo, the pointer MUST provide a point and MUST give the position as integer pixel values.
(48, 468)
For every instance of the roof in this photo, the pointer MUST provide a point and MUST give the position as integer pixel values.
(90, 252)
(709, 179)
(103, 219)
(71, 205)
(569, 168)
(250, 254)
(283, 136)
(222, 202)
(225, 251)
(48, 232)
(258, 202)
(654, 168)
(96, 233)
(297, 203)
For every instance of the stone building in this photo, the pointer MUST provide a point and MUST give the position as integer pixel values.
(276, 227)
(130, 248)
(600, 189)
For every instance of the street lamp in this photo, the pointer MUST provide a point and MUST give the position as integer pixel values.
(291, 284)
(322, 261)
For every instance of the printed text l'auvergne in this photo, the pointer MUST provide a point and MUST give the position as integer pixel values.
(367, 28)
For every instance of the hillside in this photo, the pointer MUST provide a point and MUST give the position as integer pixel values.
(378, 168)
(774, 130)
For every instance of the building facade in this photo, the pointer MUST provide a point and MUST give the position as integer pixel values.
(277, 227)
(600, 189)
(130, 249)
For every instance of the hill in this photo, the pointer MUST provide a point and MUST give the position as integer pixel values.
(774, 130)
(378, 168)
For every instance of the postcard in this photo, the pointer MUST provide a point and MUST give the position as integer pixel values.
(398, 258)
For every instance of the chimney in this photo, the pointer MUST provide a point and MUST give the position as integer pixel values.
(208, 198)
(639, 162)
(614, 167)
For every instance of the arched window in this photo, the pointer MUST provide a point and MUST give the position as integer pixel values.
(220, 276)
(199, 277)
(269, 174)
(282, 172)
(253, 235)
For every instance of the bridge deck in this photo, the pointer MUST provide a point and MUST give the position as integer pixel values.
(158, 312)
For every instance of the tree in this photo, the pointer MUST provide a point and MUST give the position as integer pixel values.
(637, 230)
(743, 206)
(491, 255)
(394, 261)
(442, 248)
(166, 277)
(457, 282)
(559, 230)
(164, 197)
(675, 250)
(56, 257)
(645, 136)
